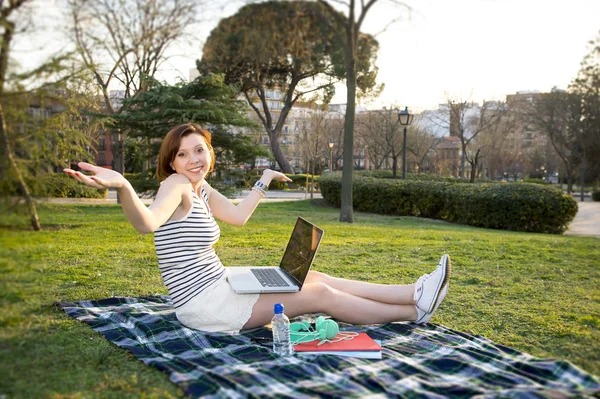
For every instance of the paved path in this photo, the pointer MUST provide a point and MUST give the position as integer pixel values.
(587, 220)
(111, 198)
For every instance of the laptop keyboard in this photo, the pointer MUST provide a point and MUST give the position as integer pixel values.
(269, 278)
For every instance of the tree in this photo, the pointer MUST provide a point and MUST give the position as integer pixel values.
(278, 52)
(336, 131)
(552, 113)
(466, 121)
(43, 127)
(206, 101)
(232, 150)
(586, 89)
(123, 42)
(347, 31)
(382, 130)
(8, 27)
(315, 133)
(496, 139)
(421, 141)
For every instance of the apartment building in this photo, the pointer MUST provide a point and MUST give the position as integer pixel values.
(297, 122)
(536, 150)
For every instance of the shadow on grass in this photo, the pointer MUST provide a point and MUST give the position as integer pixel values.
(46, 227)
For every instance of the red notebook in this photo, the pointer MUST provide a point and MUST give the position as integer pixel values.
(362, 342)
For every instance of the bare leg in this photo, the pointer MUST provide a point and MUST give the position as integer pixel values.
(319, 297)
(392, 294)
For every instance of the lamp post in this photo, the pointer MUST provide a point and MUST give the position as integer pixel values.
(330, 144)
(405, 119)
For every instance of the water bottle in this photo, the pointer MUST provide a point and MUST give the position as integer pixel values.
(280, 325)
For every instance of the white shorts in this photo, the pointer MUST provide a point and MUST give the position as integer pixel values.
(217, 308)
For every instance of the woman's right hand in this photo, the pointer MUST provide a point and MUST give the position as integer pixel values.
(102, 178)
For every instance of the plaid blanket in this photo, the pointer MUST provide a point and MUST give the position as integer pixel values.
(418, 360)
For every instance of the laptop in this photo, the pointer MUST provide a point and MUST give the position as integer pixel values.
(289, 276)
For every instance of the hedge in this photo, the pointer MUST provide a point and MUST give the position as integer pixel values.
(519, 207)
(299, 180)
(388, 174)
(51, 185)
(144, 183)
(596, 196)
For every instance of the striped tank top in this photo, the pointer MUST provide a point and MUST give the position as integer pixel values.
(186, 257)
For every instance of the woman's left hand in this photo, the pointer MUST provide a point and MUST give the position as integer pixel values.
(274, 175)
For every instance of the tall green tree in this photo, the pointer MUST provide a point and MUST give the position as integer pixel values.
(553, 114)
(383, 131)
(207, 101)
(287, 46)
(45, 126)
(122, 42)
(586, 88)
(315, 132)
(346, 29)
(8, 26)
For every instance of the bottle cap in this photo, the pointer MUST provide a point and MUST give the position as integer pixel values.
(278, 308)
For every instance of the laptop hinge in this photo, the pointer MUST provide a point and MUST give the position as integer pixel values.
(291, 278)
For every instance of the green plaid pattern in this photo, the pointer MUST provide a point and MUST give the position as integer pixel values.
(425, 361)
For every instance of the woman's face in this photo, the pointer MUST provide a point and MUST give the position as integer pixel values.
(193, 158)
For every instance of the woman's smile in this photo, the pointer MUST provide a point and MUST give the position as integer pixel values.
(192, 158)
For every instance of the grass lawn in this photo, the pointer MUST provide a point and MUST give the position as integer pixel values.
(536, 293)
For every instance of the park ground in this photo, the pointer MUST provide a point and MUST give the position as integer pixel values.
(537, 293)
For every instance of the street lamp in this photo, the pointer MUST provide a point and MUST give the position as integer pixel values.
(331, 144)
(405, 119)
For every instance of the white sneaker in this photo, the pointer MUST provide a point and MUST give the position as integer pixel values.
(423, 317)
(430, 286)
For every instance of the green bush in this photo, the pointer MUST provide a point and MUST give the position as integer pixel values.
(596, 196)
(520, 207)
(144, 183)
(147, 185)
(299, 180)
(388, 174)
(534, 181)
(252, 176)
(51, 185)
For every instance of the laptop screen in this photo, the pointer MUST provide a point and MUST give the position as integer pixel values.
(301, 250)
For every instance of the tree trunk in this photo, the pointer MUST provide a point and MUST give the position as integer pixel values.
(394, 166)
(346, 211)
(569, 177)
(119, 157)
(9, 28)
(582, 179)
(278, 154)
(312, 179)
(306, 183)
(473, 172)
(35, 222)
(461, 172)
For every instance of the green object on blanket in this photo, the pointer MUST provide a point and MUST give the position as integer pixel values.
(418, 360)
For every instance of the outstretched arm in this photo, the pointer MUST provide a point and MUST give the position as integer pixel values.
(143, 219)
(238, 215)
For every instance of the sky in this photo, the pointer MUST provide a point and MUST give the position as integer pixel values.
(438, 49)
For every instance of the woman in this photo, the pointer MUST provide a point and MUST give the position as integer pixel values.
(185, 231)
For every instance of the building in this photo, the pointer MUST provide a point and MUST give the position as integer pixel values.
(293, 132)
(106, 148)
(538, 156)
